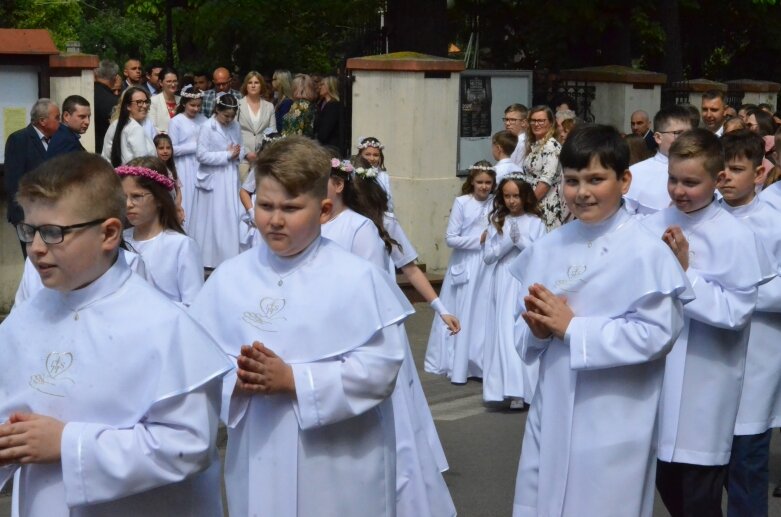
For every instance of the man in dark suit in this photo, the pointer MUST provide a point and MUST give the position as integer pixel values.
(25, 149)
(641, 126)
(76, 115)
(105, 99)
(134, 75)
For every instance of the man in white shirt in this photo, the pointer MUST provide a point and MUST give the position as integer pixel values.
(516, 121)
(648, 191)
(713, 110)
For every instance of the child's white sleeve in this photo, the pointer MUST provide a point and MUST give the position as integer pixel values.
(528, 346)
(189, 271)
(174, 440)
(453, 236)
(718, 307)
(182, 145)
(367, 245)
(645, 332)
(337, 389)
(769, 297)
(6, 473)
(204, 152)
(496, 246)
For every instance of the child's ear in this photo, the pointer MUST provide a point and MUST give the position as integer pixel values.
(657, 137)
(626, 181)
(760, 175)
(326, 209)
(112, 233)
(720, 177)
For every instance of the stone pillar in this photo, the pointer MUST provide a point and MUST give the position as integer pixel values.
(618, 92)
(696, 87)
(72, 74)
(410, 102)
(749, 91)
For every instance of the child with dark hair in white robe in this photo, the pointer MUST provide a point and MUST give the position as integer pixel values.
(315, 332)
(110, 400)
(604, 306)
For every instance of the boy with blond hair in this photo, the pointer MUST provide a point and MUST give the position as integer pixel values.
(310, 425)
(110, 393)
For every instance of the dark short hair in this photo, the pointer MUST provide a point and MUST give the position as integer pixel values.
(520, 108)
(71, 102)
(713, 94)
(743, 144)
(152, 66)
(587, 141)
(764, 121)
(699, 143)
(664, 116)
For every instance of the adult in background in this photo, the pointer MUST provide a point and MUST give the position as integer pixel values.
(163, 107)
(640, 123)
(560, 134)
(282, 84)
(76, 114)
(126, 138)
(134, 75)
(183, 130)
(299, 120)
(222, 84)
(25, 150)
(105, 99)
(153, 78)
(255, 116)
(541, 167)
(516, 121)
(713, 109)
(327, 125)
(201, 81)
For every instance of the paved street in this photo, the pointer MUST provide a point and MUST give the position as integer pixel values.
(482, 445)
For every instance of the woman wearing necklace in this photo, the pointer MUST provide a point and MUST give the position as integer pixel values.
(163, 107)
(256, 115)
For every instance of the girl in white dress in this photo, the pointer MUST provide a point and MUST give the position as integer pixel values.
(183, 130)
(172, 260)
(370, 149)
(214, 223)
(165, 151)
(466, 288)
(515, 225)
(420, 488)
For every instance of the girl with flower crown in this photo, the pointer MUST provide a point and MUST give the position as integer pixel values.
(515, 225)
(216, 208)
(371, 149)
(358, 225)
(172, 260)
(465, 289)
(183, 130)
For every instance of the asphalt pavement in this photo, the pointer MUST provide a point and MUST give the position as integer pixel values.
(483, 443)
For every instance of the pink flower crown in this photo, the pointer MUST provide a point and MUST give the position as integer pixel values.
(144, 172)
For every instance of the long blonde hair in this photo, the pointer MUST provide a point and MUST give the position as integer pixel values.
(332, 83)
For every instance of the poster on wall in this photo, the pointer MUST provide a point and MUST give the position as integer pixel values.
(475, 106)
(19, 85)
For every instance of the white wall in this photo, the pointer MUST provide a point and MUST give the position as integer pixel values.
(614, 103)
(417, 121)
(83, 84)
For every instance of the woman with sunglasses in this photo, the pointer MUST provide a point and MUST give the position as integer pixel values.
(126, 138)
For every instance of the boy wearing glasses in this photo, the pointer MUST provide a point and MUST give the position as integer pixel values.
(112, 401)
(516, 121)
(648, 191)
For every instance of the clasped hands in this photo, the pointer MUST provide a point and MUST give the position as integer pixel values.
(30, 438)
(546, 314)
(262, 371)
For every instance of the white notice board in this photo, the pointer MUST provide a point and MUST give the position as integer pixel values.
(483, 96)
(18, 93)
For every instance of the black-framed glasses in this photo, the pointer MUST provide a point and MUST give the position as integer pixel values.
(676, 133)
(142, 102)
(51, 233)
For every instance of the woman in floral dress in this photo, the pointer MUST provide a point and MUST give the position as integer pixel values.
(300, 119)
(541, 167)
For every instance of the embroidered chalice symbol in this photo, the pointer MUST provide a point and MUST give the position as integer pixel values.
(57, 363)
(269, 312)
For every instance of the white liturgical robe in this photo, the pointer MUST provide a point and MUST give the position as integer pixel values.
(137, 383)
(760, 399)
(648, 191)
(704, 372)
(334, 318)
(590, 439)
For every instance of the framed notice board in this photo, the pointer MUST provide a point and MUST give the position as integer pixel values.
(483, 96)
